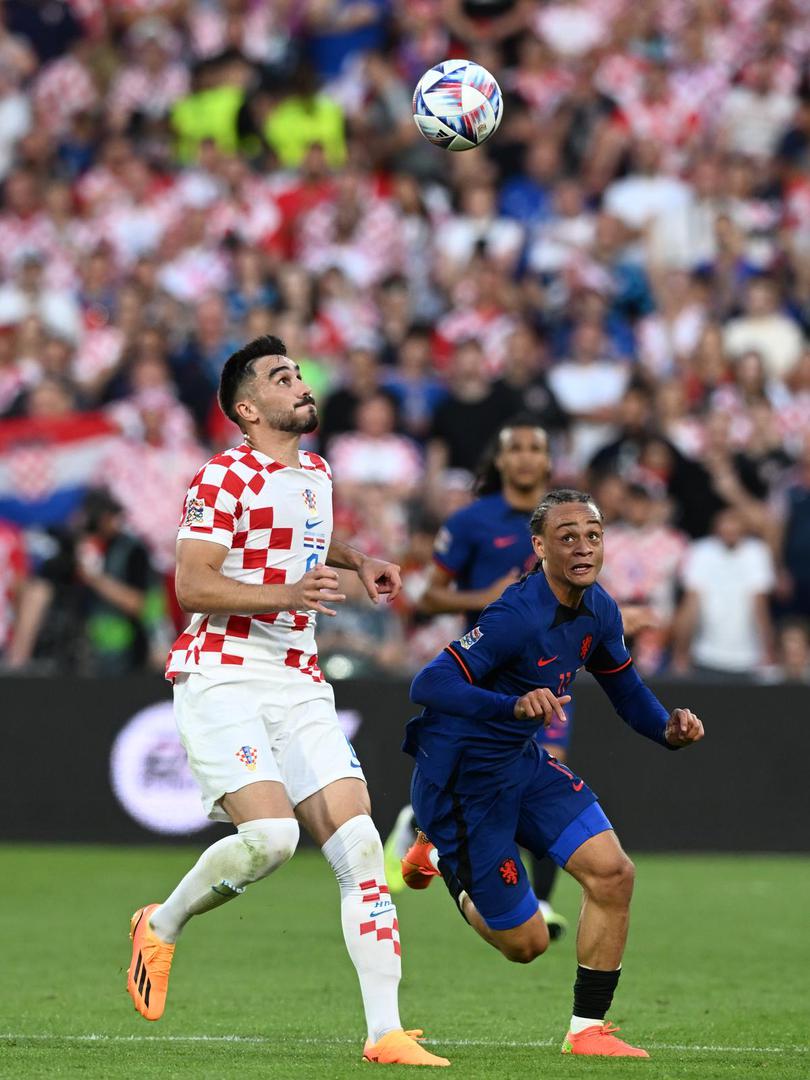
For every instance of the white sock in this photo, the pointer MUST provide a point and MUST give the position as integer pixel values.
(223, 870)
(369, 920)
(579, 1023)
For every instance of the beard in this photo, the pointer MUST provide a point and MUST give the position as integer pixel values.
(301, 421)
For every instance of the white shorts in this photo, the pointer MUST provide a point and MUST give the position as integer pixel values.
(239, 728)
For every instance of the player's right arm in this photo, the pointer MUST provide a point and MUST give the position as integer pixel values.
(449, 682)
(453, 551)
(215, 504)
(202, 587)
(441, 596)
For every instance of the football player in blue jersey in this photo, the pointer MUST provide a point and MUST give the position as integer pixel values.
(479, 551)
(482, 783)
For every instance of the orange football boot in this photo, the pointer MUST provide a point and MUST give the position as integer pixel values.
(148, 973)
(401, 1048)
(600, 1040)
(417, 869)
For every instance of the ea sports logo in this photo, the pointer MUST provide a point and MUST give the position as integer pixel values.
(150, 775)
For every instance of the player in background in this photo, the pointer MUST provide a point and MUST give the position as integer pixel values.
(479, 551)
(482, 784)
(256, 717)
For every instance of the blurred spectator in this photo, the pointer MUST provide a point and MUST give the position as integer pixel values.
(355, 232)
(156, 457)
(468, 418)
(27, 294)
(425, 635)
(765, 329)
(792, 652)
(589, 385)
(362, 380)
(146, 89)
(92, 601)
(476, 228)
(304, 118)
(525, 375)
(755, 113)
(211, 110)
(374, 455)
(643, 555)
(723, 627)
(198, 362)
(793, 525)
(14, 569)
(417, 390)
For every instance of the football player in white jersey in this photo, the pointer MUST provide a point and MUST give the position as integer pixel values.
(255, 563)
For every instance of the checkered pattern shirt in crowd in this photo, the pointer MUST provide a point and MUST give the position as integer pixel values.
(276, 523)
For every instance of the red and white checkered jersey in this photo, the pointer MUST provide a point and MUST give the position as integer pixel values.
(276, 523)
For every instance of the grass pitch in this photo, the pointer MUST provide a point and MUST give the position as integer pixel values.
(715, 984)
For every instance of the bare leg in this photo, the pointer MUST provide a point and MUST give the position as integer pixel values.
(521, 944)
(606, 875)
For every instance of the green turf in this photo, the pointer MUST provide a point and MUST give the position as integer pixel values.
(718, 957)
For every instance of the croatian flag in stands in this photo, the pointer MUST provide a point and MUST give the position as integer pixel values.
(47, 465)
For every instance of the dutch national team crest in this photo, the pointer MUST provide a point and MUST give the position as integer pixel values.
(585, 645)
(470, 638)
(310, 499)
(509, 872)
(195, 508)
(249, 757)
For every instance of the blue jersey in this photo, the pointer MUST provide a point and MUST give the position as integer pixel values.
(525, 640)
(483, 542)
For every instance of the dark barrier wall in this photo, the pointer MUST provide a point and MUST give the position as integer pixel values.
(744, 788)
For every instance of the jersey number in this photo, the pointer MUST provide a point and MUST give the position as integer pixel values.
(564, 683)
(312, 560)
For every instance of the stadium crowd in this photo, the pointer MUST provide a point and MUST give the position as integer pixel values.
(628, 259)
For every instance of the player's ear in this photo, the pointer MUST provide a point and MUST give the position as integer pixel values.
(539, 548)
(246, 410)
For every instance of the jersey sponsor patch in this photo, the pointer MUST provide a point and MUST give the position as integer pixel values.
(443, 540)
(195, 508)
(470, 638)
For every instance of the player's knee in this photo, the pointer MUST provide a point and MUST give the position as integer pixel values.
(269, 843)
(527, 947)
(524, 952)
(613, 884)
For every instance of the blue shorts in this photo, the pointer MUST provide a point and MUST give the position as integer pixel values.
(541, 806)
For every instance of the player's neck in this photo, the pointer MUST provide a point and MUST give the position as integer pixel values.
(568, 595)
(281, 446)
(520, 499)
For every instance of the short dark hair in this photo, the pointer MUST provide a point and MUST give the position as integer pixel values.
(558, 497)
(239, 366)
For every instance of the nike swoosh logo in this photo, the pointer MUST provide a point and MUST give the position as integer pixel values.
(504, 541)
(311, 524)
(542, 663)
(578, 786)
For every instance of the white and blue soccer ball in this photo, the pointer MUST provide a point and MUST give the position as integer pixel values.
(457, 105)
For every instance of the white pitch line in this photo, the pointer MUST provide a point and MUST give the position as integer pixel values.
(263, 1040)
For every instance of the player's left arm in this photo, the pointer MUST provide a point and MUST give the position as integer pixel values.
(380, 578)
(612, 667)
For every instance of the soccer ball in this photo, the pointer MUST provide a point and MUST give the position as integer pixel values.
(457, 105)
